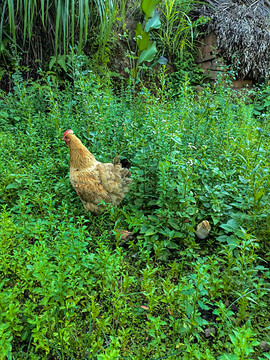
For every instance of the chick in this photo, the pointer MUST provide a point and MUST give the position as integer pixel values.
(203, 229)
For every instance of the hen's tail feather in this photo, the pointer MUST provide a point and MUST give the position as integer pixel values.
(125, 173)
(124, 162)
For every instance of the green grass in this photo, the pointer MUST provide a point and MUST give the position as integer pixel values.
(71, 289)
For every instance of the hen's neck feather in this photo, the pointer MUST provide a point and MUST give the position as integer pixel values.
(80, 156)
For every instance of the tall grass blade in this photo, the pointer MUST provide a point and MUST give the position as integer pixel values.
(86, 12)
(72, 15)
(47, 11)
(57, 27)
(65, 20)
(11, 16)
(2, 21)
(33, 4)
(42, 4)
(25, 7)
(81, 19)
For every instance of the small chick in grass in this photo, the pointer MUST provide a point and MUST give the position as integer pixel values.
(203, 229)
(93, 181)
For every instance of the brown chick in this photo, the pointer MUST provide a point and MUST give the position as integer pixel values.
(203, 229)
(93, 181)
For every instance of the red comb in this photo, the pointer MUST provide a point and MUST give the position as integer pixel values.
(69, 131)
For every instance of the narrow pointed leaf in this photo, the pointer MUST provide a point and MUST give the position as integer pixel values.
(86, 14)
(57, 26)
(72, 22)
(42, 12)
(32, 9)
(12, 20)
(2, 21)
(81, 21)
(65, 25)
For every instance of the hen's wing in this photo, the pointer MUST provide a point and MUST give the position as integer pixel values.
(114, 179)
(89, 188)
(104, 182)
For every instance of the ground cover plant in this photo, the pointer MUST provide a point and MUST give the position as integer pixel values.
(72, 287)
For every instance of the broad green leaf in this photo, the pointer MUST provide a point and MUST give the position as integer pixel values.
(228, 357)
(222, 238)
(52, 62)
(232, 241)
(149, 53)
(153, 217)
(231, 225)
(259, 194)
(152, 202)
(162, 60)
(215, 220)
(141, 37)
(148, 7)
(62, 62)
(174, 223)
(226, 227)
(172, 245)
(154, 22)
(188, 291)
(150, 232)
(203, 306)
(13, 186)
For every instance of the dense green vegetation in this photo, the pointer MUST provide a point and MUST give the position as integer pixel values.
(118, 36)
(71, 287)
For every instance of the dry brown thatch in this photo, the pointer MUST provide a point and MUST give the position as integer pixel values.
(243, 34)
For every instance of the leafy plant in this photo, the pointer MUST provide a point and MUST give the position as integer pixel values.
(146, 48)
(262, 101)
(244, 342)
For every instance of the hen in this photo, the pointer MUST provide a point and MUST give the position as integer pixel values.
(93, 181)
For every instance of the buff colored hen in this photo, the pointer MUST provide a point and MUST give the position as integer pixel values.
(93, 181)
